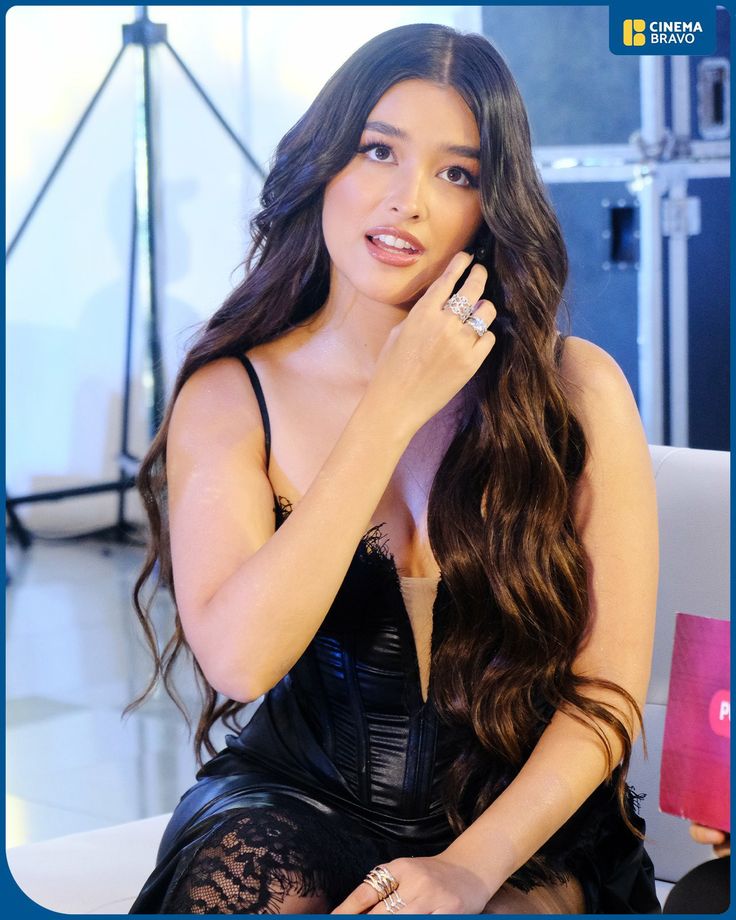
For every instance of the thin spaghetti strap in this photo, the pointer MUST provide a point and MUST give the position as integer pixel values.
(261, 403)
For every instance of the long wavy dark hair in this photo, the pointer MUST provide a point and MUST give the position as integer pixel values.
(500, 521)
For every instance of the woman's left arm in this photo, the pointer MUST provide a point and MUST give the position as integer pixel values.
(615, 512)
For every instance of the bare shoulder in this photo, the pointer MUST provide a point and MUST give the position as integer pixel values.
(218, 405)
(595, 384)
(600, 397)
(587, 365)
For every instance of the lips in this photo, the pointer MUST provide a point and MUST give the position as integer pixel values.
(395, 232)
(393, 255)
(389, 255)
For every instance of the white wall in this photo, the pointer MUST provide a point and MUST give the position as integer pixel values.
(67, 279)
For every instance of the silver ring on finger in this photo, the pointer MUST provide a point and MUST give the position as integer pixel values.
(382, 881)
(390, 881)
(380, 889)
(394, 902)
(478, 325)
(460, 306)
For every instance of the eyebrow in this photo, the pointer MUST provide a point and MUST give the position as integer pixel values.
(473, 153)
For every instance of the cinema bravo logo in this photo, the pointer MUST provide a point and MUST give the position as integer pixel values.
(632, 33)
(639, 32)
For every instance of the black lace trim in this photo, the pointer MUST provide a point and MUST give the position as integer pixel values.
(373, 546)
(283, 506)
(253, 859)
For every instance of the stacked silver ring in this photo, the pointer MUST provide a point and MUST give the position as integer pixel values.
(381, 880)
(462, 307)
(394, 903)
(477, 323)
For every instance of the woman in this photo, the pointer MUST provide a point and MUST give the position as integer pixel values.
(451, 692)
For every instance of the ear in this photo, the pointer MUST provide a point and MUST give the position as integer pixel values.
(480, 246)
(482, 242)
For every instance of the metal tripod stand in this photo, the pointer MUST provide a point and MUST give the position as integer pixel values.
(145, 34)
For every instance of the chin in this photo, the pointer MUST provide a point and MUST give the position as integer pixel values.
(403, 299)
(393, 291)
(382, 292)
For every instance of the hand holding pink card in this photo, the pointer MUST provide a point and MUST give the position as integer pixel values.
(695, 771)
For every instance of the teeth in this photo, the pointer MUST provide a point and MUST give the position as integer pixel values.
(394, 241)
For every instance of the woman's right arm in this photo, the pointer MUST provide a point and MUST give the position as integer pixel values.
(251, 599)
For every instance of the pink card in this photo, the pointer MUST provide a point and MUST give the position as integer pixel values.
(694, 777)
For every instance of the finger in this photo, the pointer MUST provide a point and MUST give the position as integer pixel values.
(486, 311)
(358, 901)
(470, 293)
(442, 286)
(702, 834)
(404, 908)
(475, 283)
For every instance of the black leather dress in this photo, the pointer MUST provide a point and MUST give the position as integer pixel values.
(341, 768)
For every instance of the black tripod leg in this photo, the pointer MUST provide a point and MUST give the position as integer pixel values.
(62, 156)
(211, 106)
(154, 341)
(22, 535)
(128, 368)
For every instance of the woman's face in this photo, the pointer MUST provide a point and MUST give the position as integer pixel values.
(414, 177)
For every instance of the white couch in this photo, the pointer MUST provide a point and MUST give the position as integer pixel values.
(102, 871)
(694, 535)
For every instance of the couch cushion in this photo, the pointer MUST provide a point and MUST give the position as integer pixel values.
(94, 872)
(693, 498)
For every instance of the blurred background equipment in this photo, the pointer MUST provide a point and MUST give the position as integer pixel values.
(145, 36)
(635, 152)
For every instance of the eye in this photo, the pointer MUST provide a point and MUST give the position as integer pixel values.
(456, 175)
(382, 151)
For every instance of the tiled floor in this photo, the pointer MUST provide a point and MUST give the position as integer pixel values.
(74, 660)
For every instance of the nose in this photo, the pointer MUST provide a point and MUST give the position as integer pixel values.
(407, 195)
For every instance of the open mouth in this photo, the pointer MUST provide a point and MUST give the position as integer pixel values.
(392, 244)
